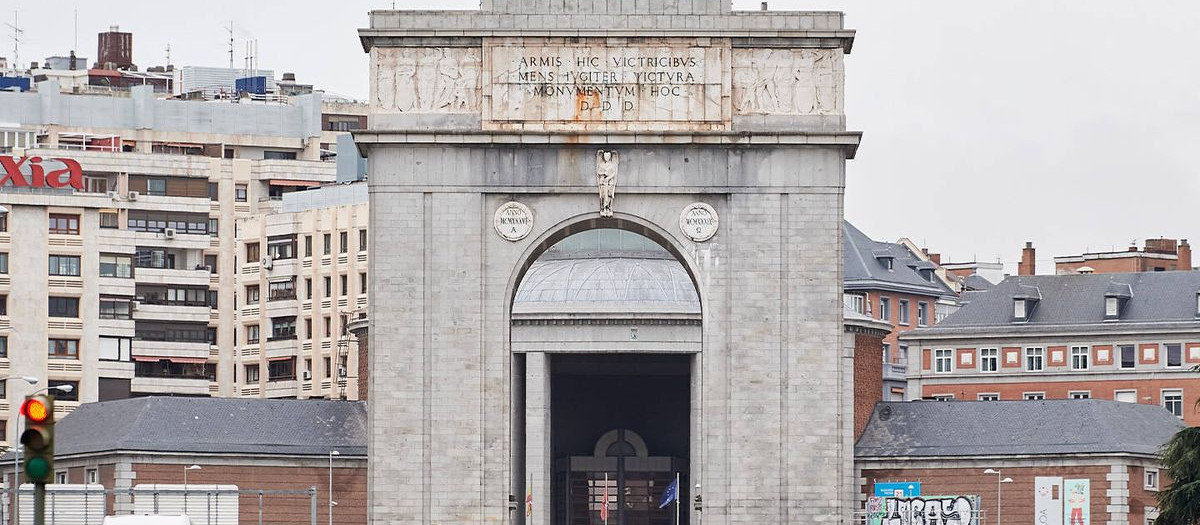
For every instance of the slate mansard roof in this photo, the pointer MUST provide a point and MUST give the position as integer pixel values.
(215, 425)
(866, 269)
(1076, 303)
(1005, 428)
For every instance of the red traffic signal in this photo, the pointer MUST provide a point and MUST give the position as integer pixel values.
(38, 438)
(35, 410)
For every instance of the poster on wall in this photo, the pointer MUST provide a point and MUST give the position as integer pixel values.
(1047, 500)
(923, 510)
(1077, 495)
(898, 489)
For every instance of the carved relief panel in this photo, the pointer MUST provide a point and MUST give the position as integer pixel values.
(788, 81)
(425, 80)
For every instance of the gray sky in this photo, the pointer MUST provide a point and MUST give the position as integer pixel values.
(1072, 124)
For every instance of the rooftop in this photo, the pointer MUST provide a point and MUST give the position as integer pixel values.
(1003, 428)
(866, 266)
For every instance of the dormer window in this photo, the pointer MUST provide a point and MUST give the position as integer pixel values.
(927, 275)
(1114, 300)
(1112, 307)
(1020, 309)
(1197, 304)
(889, 263)
(885, 258)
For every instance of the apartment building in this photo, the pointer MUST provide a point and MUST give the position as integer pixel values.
(1156, 255)
(301, 279)
(1127, 337)
(889, 282)
(127, 273)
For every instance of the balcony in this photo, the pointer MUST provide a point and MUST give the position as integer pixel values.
(184, 349)
(170, 385)
(193, 241)
(895, 372)
(281, 347)
(172, 312)
(282, 388)
(173, 276)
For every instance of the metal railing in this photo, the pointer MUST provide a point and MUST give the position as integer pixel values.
(204, 504)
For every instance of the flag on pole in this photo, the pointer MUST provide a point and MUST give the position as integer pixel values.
(671, 494)
(604, 501)
(529, 498)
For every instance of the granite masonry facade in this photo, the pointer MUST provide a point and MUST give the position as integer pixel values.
(739, 111)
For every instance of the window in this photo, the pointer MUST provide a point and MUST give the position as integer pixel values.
(175, 295)
(64, 307)
(328, 238)
(91, 476)
(251, 334)
(1125, 396)
(328, 367)
(67, 348)
(308, 327)
(3, 221)
(213, 227)
(60, 477)
(855, 302)
(328, 326)
(239, 193)
(64, 265)
(1112, 307)
(1128, 355)
(177, 331)
(943, 361)
(214, 191)
(252, 294)
(308, 245)
(343, 242)
(210, 263)
(281, 247)
(903, 312)
(1174, 355)
(156, 187)
(328, 286)
(64, 224)
(988, 397)
(943, 397)
(1151, 479)
(1019, 309)
(343, 281)
(362, 283)
(281, 369)
(115, 265)
(1080, 356)
(283, 328)
(1033, 396)
(160, 221)
(922, 314)
(308, 288)
(362, 240)
(3, 263)
(4, 304)
(1035, 359)
(3, 348)
(115, 307)
(1172, 400)
(114, 348)
(1079, 394)
(251, 373)
(110, 220)
(885, 308)
(282, 290)
(251, 252)
(279, 155)
(989, 359)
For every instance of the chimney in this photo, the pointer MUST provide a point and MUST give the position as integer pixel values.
(1028, 264)
(1185, 256)
(936, 258)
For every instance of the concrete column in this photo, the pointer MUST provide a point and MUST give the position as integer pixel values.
(537, 435)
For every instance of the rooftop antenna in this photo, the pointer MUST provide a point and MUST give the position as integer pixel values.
(168, 53)
(230, 28)
(75, 44)
(16, 36)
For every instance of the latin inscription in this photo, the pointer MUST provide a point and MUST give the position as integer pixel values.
(597, 83)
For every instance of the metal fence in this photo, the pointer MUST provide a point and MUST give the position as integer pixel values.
(204, 504)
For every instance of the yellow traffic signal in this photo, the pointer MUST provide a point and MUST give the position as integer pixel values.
(38, 438)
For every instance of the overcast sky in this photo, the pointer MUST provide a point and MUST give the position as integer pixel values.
(1072, 124)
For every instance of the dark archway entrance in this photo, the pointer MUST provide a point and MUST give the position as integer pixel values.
(620, 421)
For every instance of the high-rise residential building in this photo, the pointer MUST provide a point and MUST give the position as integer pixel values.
(119, 251)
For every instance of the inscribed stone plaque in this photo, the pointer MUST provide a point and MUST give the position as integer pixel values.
(698, 221)
(598, 83)
(513, 221)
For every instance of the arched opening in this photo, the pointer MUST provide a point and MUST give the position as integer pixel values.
(609, 320)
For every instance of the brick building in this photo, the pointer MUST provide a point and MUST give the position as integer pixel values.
(146, 445)
(1157, 255)
(1128, 337)
(889, 282)
(1096, 456)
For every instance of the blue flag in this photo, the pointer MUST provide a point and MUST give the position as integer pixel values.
(671, 494)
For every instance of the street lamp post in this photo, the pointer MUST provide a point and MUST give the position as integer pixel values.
(998, 482)
(16, 484)
(332, 453)
(185, 489)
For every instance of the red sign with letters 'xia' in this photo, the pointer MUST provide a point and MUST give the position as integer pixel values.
(38, 176)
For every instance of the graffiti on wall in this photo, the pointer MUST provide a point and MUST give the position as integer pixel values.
(926, 510)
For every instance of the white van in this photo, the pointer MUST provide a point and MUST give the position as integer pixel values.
(157, 519)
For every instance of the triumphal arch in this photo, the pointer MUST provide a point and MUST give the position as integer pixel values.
(605, 256)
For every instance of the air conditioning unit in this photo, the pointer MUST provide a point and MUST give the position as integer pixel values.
(169, 233)
(133, 195)
(114, 195)
(266, 263)
(133, 305)
(307, 375)
(341, 371)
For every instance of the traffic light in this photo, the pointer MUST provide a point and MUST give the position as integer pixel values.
(38, 438)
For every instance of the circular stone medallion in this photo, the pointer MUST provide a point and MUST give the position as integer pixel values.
(698, 221)
(513, 221)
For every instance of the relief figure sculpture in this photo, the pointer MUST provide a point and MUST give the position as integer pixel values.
(606, 179)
